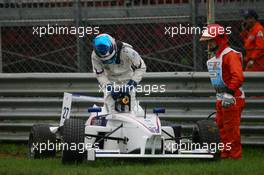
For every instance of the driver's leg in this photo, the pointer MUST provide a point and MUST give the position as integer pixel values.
(133, 102)
(109, 103)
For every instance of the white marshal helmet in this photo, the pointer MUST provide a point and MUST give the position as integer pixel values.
(216, 32)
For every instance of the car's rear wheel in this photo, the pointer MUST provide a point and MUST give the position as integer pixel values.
(42, 142)
(72, 137)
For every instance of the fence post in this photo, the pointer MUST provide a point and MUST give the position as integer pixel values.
(1, 56)
(194, 36)
(210, 11)
(82, 63)
(210, 18)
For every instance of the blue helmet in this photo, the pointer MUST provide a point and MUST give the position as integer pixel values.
(105, 48)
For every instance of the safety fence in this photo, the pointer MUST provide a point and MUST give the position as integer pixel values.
(55, 36)
(26, 99)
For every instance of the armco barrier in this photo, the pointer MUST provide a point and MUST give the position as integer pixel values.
(26, 99)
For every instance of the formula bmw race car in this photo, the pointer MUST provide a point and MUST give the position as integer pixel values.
(124, 134)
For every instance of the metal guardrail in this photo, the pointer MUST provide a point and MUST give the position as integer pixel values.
(37, 98)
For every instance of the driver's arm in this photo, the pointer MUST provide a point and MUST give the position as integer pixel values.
(137, 64)
(99, 72)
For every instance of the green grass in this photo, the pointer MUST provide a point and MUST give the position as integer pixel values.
(13, 161)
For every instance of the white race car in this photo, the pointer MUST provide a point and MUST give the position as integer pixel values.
(128, 133)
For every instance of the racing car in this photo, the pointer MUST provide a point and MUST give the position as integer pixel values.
(129, 132)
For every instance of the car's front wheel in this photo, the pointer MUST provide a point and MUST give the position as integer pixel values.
(73, 141)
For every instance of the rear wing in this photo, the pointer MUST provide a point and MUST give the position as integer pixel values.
(67, 102)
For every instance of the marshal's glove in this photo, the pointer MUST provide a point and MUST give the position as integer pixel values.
(228, 100)
(250, 64)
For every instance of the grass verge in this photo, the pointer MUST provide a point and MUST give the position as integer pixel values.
(13, 160)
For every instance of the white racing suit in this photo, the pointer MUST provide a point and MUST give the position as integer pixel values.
(129, 65)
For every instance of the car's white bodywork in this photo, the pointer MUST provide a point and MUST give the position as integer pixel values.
(135, 135)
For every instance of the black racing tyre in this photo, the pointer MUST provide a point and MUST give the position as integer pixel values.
(73, 136)
(206, 131)
(42, 142)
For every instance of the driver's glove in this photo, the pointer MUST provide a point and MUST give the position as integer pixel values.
(114, 92)
(131, 84)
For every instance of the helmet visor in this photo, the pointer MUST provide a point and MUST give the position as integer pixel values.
(110, 61)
